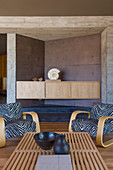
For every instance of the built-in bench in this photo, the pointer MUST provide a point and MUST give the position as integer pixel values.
(55, 113)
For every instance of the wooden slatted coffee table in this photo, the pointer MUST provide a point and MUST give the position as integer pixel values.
(83, 152)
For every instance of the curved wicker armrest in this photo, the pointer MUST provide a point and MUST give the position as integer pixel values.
(73, 116)
(35, 119)
(2, 132)
(99, 137)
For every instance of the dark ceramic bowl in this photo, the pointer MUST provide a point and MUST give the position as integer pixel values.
(46, 139)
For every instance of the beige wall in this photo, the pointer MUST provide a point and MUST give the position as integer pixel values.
(56, 8)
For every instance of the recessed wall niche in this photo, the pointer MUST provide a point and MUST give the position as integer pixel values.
(78, 58)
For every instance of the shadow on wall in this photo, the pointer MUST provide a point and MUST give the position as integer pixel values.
(3, 67)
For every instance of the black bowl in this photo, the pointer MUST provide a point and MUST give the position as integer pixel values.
(45, 139)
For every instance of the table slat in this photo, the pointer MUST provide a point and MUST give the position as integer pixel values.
(83, 152)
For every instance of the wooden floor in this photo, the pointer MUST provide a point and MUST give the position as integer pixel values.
(106, 153)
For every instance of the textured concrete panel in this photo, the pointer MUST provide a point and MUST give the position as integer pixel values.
(104, 66)
(87, 72)
(11, 68)
(67, 72)
(78, 73)
(56, 22)
(30, 58)
(110, 65)
(73, 51)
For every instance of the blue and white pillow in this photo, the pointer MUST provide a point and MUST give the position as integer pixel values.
(101, 109)
(11, 112)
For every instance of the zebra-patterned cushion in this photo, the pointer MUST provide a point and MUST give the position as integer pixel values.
(19, 128)
(90, 126)
(101, 109)
(11, 111)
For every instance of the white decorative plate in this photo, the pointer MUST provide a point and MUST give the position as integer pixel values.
(53, 74)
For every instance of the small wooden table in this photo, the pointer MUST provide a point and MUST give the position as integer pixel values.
(83, 152)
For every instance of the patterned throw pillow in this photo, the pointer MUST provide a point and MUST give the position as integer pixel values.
(11, 112)
(101, 109)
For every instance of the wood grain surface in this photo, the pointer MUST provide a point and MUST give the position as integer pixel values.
(11, 144)
(30, 90)
(58, 90)
(84, 154)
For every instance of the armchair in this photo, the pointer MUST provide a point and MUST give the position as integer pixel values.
(99, 122)
(14, 123)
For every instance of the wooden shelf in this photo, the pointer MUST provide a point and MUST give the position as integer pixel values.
(58, 90)
(30, 90)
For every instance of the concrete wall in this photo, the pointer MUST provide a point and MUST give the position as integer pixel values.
(29, 62)
(109, 53)
(57, 23)
(78, 59)
(11, 68)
